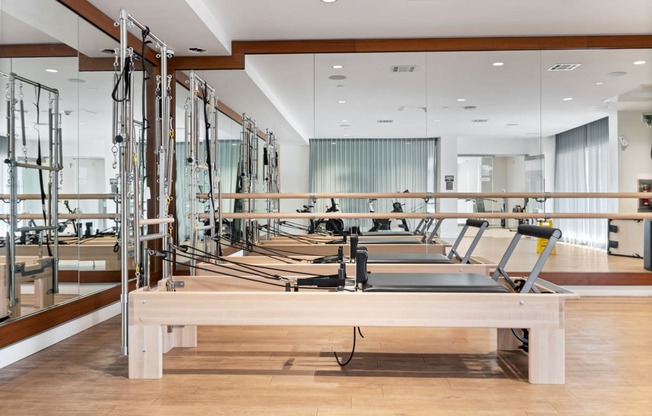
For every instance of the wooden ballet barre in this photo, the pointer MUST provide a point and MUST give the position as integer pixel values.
(154, 221)
(35, 197)
(431, 195)
(436, 215)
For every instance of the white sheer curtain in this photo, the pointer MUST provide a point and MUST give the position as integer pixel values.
(582, 165)
(373, 165)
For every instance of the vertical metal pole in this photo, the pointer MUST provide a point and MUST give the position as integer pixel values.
(193, 163)
(57, 163)
(166, 153)
(124, 215)
(13, 189)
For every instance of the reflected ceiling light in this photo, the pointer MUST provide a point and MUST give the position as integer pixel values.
(498, 64)
(461, 100)
(640, 62)
(437, 121)
(328, 1)
(337, 77)
(599, 83)
(346, 135)
(567, 99)
(341, 102)
(76, 80)
(51, 70)
(616, 74)
(337, 67)
(345, 121)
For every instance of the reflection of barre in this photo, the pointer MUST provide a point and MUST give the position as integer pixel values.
(203, 228)
(154, 221)
(84, 216)
(444, 215)
(71, 197)
(431, 195)
(154, 317)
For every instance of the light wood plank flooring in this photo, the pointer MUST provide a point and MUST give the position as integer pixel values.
(291, 371)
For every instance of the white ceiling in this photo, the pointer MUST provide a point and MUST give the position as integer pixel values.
(292, 95)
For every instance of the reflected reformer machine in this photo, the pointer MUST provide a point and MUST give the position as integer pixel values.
(32, 268)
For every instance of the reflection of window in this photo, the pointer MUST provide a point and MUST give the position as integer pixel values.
(582, 165)
(534, 180)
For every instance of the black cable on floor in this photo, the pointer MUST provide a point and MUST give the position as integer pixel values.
(356, 330)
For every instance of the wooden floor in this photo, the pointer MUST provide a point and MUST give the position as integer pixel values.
(291, 371)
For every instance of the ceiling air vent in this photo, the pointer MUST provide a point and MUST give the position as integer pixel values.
(385, 121)
(563, 67)
(403, 68)
(480, 120)
(470, 107)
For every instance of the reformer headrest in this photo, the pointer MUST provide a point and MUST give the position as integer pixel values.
(539, 232)
(361, 257)
(477, 223)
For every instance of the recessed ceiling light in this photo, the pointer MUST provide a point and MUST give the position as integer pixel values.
(498, 64)
(51, 70)
(337, 67)
(599, 83)
(461, 100)
(616, 74)
(328, 1)
(345, 121)
(341, 102)
(640, 63)
(567, 99)
(437, 121)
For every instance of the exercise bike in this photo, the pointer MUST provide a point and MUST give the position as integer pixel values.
(334, 226)
(386, 224)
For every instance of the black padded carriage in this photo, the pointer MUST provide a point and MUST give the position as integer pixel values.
(457, 282)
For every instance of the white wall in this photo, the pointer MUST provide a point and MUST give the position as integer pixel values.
(447, 166)
(294, 176)
(492, 146)
(634, 162)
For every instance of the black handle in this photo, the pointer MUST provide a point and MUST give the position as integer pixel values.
(477, 223)
(539, 232)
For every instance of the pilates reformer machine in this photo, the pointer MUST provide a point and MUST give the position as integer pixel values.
(165, 317)
(245, 231)
(43, 268)
(134, 235)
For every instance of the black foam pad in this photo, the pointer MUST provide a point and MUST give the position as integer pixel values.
(539, 232)
(409, 258)
(477, 223)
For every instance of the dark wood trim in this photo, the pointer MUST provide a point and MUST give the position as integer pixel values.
(442, 44)
(105, 24)
(232, 62)
(91, 276)
(37, 50)
(30, 325)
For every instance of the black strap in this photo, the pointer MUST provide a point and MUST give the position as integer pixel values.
(39, 162)
(211, 197)
(127, 83)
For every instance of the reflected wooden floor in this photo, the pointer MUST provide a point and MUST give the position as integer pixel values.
(291, 371)
(590, 266)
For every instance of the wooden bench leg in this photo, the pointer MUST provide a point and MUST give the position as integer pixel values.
(43, 296)
(179, 336)
(145, 351)
(547, 356)
(507, 341)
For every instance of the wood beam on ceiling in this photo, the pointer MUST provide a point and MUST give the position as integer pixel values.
(106, 24)
(37, 50)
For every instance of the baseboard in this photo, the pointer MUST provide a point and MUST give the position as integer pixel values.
(31, 345)
(611, 291)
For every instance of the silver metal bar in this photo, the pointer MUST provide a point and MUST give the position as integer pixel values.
(193, 146)
(36, 167)
(55, 161)
(35, 84)
(155, 221)
(124, 215)
(143, 27)
(13, 190)
(37, 228)
(150, 237)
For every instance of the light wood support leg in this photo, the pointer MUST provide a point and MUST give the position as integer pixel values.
(43, 296)
(547, 356)
(179, 336)
(507, 341)
(145, 351)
